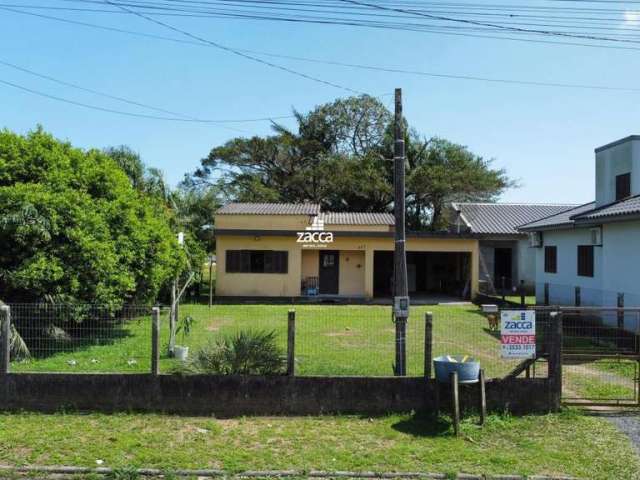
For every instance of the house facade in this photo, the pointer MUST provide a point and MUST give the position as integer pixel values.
(505, 257)
(296, 250)
(590, 254)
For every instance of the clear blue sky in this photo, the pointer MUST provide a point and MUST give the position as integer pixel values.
(543, 136)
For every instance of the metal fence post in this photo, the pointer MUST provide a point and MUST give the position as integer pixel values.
(620, 312)
(428, 344)
(455, 400)
(555, 361)
(522, 299)
(5, 334)
(291, 343)
(503, 286)
(578, 299)
(155, 341)
(546, 294)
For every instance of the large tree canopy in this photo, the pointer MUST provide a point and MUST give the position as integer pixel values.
(341, 157)
(73, 225)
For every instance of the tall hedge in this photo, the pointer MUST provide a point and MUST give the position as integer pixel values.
(72, 227)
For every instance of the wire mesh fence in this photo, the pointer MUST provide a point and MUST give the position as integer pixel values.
(330, 340)
(80, 338)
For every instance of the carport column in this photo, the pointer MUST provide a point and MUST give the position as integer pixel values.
(368, 272)
(5, 334)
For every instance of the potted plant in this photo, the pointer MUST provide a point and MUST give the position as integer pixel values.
(181, 352)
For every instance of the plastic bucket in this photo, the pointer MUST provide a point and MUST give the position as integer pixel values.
(467, 367)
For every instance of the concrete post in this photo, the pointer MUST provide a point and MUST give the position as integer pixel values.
(428, 344)
(5, 334)
(291, 343)
(555, 361)
(155, 341)
(546, 294)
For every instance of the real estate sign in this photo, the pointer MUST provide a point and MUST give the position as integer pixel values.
(518, 333)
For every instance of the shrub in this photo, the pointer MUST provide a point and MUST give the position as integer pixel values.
(245, 353)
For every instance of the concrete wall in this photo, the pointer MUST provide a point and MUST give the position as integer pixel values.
(616, 160)
(523, 261)
(621, 262)
(226, 396)
(526, 261)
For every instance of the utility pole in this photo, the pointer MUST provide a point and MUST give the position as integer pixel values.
(401, 287)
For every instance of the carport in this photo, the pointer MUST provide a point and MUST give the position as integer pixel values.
(429, 273)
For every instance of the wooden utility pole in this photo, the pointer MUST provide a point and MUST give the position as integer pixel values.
(401, 287)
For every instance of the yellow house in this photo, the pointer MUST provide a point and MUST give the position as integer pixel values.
(296, 250)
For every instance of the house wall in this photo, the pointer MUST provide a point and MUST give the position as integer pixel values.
(526, 260)
(563, 283)
(360, 249)
(616, 160)
(621, 262)
(523, 261)
(352, 273)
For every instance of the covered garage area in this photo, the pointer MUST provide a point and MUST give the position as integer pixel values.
(429, 273)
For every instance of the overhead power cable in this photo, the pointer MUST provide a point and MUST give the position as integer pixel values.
(488, 24)
(234, 51)
(389, 69)
(428, 31)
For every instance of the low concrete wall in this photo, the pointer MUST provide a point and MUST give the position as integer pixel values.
(226, 396)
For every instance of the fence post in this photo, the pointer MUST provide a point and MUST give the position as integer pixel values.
(155, 341)
(546, 294)
(483, 398)
(522, 299)
(455, 400)
(428, 344)
(555, 361)
(503, 285)
(578, 299)
(5, 334)
(291, 343)
(620, 312)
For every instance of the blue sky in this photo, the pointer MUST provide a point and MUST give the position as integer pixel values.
(543, 136)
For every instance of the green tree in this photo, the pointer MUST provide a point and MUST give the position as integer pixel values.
(74, 226)
(341, 157)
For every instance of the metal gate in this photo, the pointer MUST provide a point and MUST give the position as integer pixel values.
(600, 356)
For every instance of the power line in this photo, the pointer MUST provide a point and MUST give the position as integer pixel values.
(487, 24)
(431, 31)
(371, 67)
(234, 51)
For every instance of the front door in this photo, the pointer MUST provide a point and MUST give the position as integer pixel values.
(329, 272)
(502, 267)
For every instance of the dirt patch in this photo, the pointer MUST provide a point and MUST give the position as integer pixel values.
(215, 324)
(344, 333)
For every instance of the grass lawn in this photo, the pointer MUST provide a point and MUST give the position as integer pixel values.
(568, 443)
(330, 339)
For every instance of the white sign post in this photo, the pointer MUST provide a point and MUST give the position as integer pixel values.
(518, 333)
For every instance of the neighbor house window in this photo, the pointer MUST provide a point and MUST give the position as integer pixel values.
(257, 261)
(585, 260)
(551, 259)
(623, 186)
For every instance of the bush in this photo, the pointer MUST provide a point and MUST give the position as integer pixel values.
(245, 353)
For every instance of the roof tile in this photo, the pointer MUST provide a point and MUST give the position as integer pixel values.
(269, 209)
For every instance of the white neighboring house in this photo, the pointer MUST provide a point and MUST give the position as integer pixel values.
(595, 246)
(504, 251)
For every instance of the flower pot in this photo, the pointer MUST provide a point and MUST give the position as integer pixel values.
(180, 352)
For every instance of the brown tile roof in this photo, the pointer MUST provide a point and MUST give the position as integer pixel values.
(358, 218)
(269, 209)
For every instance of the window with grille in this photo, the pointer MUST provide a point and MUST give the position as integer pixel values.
(585, 260)
(551, 259)
(623, 186)
(257, 261)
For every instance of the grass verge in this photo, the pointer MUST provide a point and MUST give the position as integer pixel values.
(568, 443)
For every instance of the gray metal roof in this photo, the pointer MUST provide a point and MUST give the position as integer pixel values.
(562, 219)
(628, 206)
(269, 209)
(503, 218)
(358, 218)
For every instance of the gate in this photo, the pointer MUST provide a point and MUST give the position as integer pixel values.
(600, 356)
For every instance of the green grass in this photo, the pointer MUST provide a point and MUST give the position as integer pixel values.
(605, 380)
(330, 340)
(528, 300)
(568, 443)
